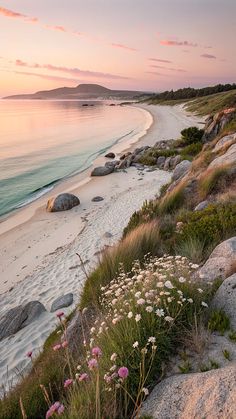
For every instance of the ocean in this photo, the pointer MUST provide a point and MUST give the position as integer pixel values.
(44, 142)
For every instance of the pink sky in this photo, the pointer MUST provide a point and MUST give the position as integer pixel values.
(149, 45)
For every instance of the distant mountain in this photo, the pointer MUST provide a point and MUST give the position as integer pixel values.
(82, 91)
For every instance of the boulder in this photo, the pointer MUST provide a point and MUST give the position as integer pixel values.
(227, 159)
(112, 164)
(181, 169)
(220, 262)
(161, 162)
(167, 163)
(124, 164)
(224, 141)
(110, 155)
(225, 299)
(97, 199)
(18, 317)
(62, 202)
(208, 395)
(102, 171)
(176, 160)
(215, 123)
(62, 301)
(201, 206)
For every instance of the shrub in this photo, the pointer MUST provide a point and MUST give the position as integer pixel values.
(191, 150)
(147, 213)
(218, 322)
(173, 200)
(191, 135)
(209, 226)
(140, 241)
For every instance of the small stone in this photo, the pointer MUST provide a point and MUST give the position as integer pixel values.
(110, 155)
(97, 199)
(62, 301)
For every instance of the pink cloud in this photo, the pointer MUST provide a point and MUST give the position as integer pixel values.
(178, 70)
(56, 28)
(48, 77)
(177, 43)
(208, 56)
(155, 73)
(160, 61)
(10, 13)
(73, 71)
(123, 47)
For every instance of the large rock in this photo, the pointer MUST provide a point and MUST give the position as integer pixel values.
(62, 301)
(208, 395)
(181, 169)
(224, 142)
(161, 162)
(112, 164)
(201, 206)
(110, 155)
(62, 202)
(18, 317)
(227, 159)
(102, 170)
(225, 299)
(215, 123)
(220, 262)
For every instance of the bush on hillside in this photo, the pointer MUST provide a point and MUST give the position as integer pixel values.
(191, 135)
(215, 180)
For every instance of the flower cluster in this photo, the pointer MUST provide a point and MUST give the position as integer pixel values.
(57, 408)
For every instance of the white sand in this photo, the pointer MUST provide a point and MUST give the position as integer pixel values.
(38, 249)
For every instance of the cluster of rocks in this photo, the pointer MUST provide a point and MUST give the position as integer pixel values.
(21, 316)
(215, 123)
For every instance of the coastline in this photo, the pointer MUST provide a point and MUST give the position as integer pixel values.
(38, 249)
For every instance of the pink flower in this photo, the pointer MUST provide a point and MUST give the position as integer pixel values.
(29, 354)
(56, 347)
(123, 372)
(96, 352)
(57, 407)
(64, 344)
(60, 314)
(83, 377)
(68, 382)
(92, 363)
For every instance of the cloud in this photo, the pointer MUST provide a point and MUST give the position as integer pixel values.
(56, 28)
(160, 61)
(179, 70)
(155, 73)
(123, 47)
(177, 43)
(48, 77)
(73, 71)
(17, 15)
(208, 56)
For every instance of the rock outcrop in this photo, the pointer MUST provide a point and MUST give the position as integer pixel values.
(62, 301)
(18, 317)
(215, 123)
(225, 299)
(181, 169)
(224, 142)
(62, 202)
(227, 159)
(102, 170)
(208, 395)
(220, 262)
(110, 155)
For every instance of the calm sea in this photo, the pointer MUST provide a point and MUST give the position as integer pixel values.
(43, 142)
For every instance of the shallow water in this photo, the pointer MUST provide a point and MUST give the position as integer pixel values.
(42, 142)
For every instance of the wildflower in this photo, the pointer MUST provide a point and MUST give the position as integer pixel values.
(152, 339)
(130, 315)
(137, 294)
(137, 317)
(194, 266)
(145, 391)
(141, 301)
(92, 330)
(84, 310)
(204, 304)
(135, 344)
(123, 372)
(57, 407)
(64, 344)
(96, 352)
(113, 368)
(92, 363)
(68, 382)
(168, 285)
(190, 300)
(29, 354)
(56, 347)
(182, 279)
(169, 319)
(60, 314)
(160, 284)
(200, 290)
(114, 301)
(160, 312)
(113, 357)
(83, 377)
(139, 277)
(78, 367)
(149, 309)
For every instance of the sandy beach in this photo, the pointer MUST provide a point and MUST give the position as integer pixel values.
(38, 249)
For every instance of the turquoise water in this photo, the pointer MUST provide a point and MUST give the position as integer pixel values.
(43, 142)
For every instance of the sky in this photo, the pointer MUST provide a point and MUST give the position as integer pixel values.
(147, 45)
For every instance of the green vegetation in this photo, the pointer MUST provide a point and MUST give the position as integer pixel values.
(213, 103)
(218, 322)
(215, 180)
(232, 335)
(189, 93)
(191, 150)
(185, 368)
(191, 135)
(226, 354)
(213, 365)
